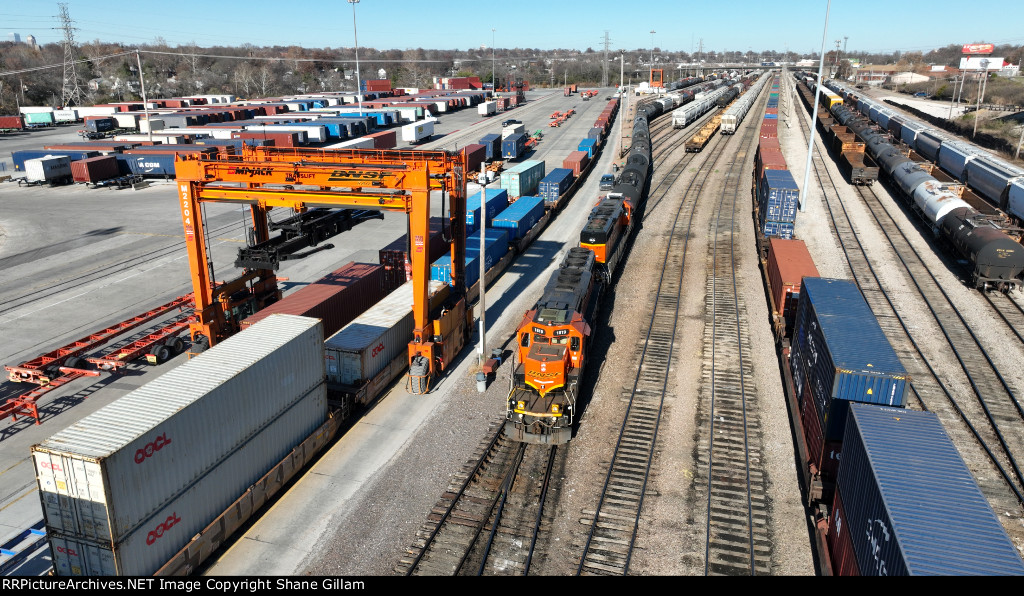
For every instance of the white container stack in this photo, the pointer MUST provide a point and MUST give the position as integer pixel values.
(50, 168)
(130, 484)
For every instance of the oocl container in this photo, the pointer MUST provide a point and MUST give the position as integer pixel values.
(104, 477)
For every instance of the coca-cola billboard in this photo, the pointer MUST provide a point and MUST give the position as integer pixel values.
(978, 48)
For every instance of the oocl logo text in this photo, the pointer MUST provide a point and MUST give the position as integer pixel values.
(377, 350)
(171, 521)
(152, 447)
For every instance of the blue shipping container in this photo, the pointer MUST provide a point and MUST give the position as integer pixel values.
(514, 146)
(778, 229)
(335, 129)
(154, 165)
(520, 216)
(100, 124)
(19, 157)
(441, 269)
(778, 196)
(912, 505)
(496, 245)
(555, 184)
(845, 355)
(771, 116)
(492, 145)
(496, 200)
(588, 145)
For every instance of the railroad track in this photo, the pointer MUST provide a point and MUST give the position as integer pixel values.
(977, 433)
(491, 519)
(611, 537)
(728, 419)
(1009, 310)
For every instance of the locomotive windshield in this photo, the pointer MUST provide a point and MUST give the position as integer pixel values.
(552, 315)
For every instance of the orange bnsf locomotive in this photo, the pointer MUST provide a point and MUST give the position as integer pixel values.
(554, 336)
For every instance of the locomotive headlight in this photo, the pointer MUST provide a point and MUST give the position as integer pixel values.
(520, 405)
(554, 408)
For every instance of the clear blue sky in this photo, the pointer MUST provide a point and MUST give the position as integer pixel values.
(742, 25)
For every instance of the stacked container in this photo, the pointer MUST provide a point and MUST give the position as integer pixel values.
(577, 161)
(778, 198)
(589, 145)
(396, 260)
(492, 146)
(335, 299)
(555, 184)
(364, 347)
(788, 263)
(127, 487)
(839, 355)
(523, 179)
(495, 201)
(907, 504)
(520, 216)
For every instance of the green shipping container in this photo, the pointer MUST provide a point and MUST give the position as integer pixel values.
(523, 179)
(39, 118)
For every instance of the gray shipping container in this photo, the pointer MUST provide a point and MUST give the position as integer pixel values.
(48, 169)
(106, 475)
(166, 531)
(365, 346)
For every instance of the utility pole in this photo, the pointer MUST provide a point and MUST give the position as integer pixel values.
(836, 67)
(604, 77)
(817, 97)
(981, 78)
(71, 91)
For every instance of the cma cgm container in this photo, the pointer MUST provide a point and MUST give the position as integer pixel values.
(492, 146)
(110, 478)
(788, 263)
(555, 184)
(912, 506)
(368, 344)
(844, 353)
(520, 216)
(495, 201)
(149, 165)
(335, 299)
(523, 179)
(94, 169)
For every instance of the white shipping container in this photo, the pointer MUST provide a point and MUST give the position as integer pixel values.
(365, 346)
(166, 531)
(417, 131)
(487, 108)
(360, 143)
(146, 125)
(35, 109)
(65, 116)
(104, 476)
(512, 129)
(49, 168)
(84, 111)
(126, 120)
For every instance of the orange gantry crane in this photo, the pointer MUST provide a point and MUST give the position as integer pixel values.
(307, 180)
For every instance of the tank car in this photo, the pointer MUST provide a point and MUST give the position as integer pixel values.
(998, 260)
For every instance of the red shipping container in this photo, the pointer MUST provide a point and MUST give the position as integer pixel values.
(772, 111)
(387, 139)
(280, 139)
(13, 122)
(840, 541)
(95, 169)
(336, 299)
(788, 263)
(769, 129)
(823, 455)
(475, 154)
(395, 257)
(577, 162)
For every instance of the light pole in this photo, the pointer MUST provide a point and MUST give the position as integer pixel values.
(494, 84)
(651, 78)
(981, 79)
(817, 97)
(355, 34)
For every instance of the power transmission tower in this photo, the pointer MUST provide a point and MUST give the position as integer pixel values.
(71, 92)
(604, 77)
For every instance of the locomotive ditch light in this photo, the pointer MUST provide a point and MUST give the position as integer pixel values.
(554, 408)
(520, 405)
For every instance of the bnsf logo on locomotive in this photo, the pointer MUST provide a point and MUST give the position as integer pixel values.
(152, 447)
(346, 175)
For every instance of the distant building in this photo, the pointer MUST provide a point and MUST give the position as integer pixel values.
(906, 78)
(872, 74)
(1010, 70)
(15, 37)
(31, 40)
